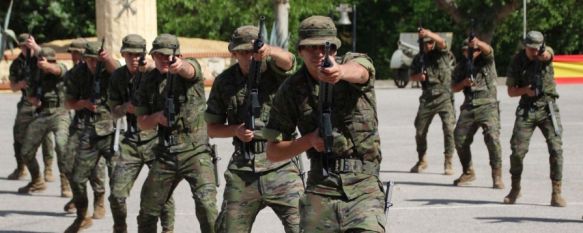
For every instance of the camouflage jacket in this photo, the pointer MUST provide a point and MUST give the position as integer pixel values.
(354, 121)
(120, 92)
(522, 72)
(17, 72)
(80, 85)
(227, 104)
(189, 125)
(50, 87)
(484, 89)
(438, 66)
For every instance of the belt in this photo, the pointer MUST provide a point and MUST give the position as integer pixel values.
(347, 165)
(256, 146)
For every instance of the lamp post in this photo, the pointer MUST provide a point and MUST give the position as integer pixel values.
(344, 9)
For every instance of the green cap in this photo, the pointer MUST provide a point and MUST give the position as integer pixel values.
(164, 44)
(48, 53)
(133, 43)
(534, 39)
(92, 49)
(77, 45)
(316, 30)
(22, 38)
(242, 37)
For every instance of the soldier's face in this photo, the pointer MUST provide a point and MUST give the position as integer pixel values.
(76, 56)
(162, 62)
(313, 55)
(244, 58)
(91, 63)
(132, 60)
(531, 52)
(429, 45)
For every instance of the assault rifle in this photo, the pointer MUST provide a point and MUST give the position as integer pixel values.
(422, 65)
(537, 86)
(169, 107)
(253, 105)
(96, 88)
(325, 109)
(470, 57)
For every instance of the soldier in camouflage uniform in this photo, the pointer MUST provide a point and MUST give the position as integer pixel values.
(350, 198)
(437, 98)
(253, 183)
(529, 67)
(24, 110)
(95, 124)
(97, 178)
(479, 110)
(183, 150)
(47, 101)
(135, 146)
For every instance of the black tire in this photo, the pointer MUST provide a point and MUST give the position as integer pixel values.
(401, 77)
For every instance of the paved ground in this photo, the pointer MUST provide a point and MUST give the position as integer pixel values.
(423, 202)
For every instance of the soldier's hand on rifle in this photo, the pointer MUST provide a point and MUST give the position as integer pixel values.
(176, 67)
(42, 64)
(88, 105)
(467, 82)
(129, 107)
(161, 118)
(418, 77)
(104, 55)
(262, 53)
(545, 56)
(331, 74)
(316, 141)
(243, 133)
(22, 84)
(529, 91)
(31, 44)
(34, 101)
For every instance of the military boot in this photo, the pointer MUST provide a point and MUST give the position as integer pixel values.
(514, 192)
(70, 206)
(556, 199)
(49, 171)
(36, 185)
(98, 206)
(497, 178)
(65, 187)
(80, 223)
(447, 166)
(19, 173)
(466, 178)
(120, 228)
(420, 165)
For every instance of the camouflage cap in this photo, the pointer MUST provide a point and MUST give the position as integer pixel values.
(92, 49)
(316, 30)
(133, 43)
(164, 44)
(22, 38)
(534, 39)
(48, 53)
(77, 45)
(242, 37)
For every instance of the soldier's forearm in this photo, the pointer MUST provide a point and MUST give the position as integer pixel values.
(283, 59)
(216, 130)
(280, 151)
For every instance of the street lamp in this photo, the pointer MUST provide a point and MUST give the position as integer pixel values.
(344, 9)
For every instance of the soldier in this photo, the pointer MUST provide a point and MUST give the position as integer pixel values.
(87, 93)
(97, 178)
(531, 76)
(47, 101)
(227, 110)
(172, 99)
(477, 78)
(135, 146)
(349, 198)
(432, 68)
(21, 71)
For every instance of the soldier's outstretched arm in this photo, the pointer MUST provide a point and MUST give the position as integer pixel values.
(146, 122)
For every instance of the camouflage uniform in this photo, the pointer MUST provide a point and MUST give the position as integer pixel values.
(188, 157)
(534, 112)
(48, 118)
(98, 176)
(479, 110)
(350, 199)
(95, 129)
(24, 115)
(436, 98)
(252, 184)
(135, 146)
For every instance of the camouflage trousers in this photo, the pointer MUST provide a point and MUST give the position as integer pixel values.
(487, 117)
(41, 127)
(24, 116)
(527, 119)
(246, 193)
(196, 167)
(91, 149)
(97, 177)
(132, 157)
(427, 110)
(365, 213)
